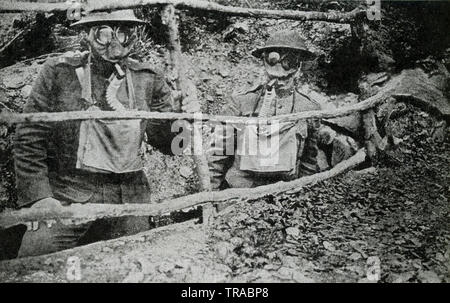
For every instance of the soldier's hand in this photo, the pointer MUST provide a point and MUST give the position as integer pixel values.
(190, 105)
(48, 204)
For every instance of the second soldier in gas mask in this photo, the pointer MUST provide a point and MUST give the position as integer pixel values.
(291, 147)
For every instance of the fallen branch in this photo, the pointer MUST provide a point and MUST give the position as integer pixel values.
(371, 102)
(106, 5)
(44, 56)
(82, 213)
(17, 7)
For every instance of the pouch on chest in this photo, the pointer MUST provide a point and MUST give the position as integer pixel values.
(271, 149)
(109, 146)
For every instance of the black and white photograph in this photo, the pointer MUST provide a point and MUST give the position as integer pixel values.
(224, 142)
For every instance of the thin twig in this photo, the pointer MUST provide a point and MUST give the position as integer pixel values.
(5, 106)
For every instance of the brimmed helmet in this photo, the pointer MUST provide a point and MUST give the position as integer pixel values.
(126, 16)
(285, 40)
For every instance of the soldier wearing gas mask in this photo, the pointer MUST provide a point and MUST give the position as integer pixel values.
(291, 147)
(93, 161)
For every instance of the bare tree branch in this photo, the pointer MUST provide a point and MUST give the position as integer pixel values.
(105, 5)
(169, 19)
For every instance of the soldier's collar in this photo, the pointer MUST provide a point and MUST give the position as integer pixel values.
(280, 90)
(75, 59)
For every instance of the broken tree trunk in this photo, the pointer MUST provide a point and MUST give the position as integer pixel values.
(169, 19)
(82, 213)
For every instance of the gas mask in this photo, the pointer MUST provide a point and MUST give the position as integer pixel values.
(281, 65)
(112, 44)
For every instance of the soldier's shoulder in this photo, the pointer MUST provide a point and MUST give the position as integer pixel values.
(72, 59)
(247, 93)
(250, 89)
(244, 99)
(309, 100)
(139, 66)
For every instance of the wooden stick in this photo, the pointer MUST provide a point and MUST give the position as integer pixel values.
(106, 5)
(12, 40)
(168, 17)
(371, 102)
(82, 213)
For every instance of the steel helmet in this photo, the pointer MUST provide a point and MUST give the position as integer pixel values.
(285, 40)
(120, 16)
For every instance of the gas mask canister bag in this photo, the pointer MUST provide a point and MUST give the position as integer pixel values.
(268, 149)
(110, 146)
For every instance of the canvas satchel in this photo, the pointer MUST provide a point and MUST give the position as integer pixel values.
(109, 146)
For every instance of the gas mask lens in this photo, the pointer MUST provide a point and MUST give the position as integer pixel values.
(288, 61)
(105, 34)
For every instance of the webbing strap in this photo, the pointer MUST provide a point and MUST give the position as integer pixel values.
(84, 77)
(266, 108)
(131, 93)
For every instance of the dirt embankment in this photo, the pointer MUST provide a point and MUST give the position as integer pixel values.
(173, 253)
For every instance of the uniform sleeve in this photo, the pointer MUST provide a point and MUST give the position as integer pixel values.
(159, 133)
(31, 142)
(218, 160)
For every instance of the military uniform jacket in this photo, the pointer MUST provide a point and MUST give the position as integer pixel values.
(248, 104)
(46, 153)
